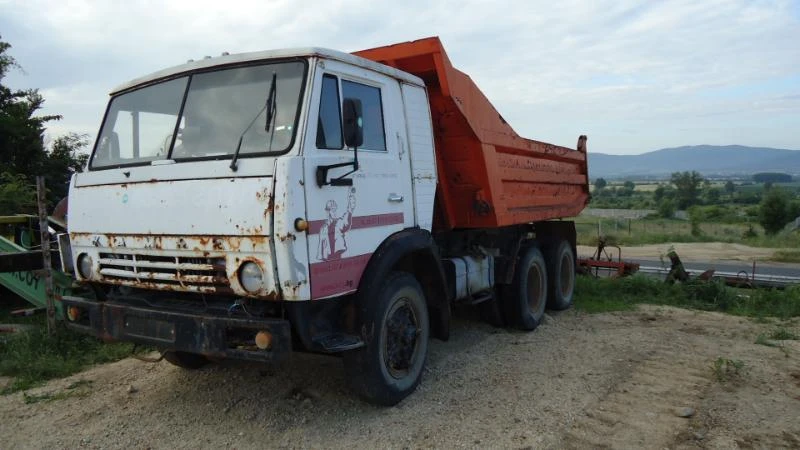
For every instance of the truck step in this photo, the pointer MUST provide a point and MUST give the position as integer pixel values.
(338, 342)
(480, 298)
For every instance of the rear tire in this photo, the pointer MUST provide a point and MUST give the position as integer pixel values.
(524, 300)
(395, 328)
(561, 276)
(184, 360)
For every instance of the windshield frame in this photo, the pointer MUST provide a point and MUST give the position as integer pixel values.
(190, 74)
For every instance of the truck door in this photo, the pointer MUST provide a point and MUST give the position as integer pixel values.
(348, 223)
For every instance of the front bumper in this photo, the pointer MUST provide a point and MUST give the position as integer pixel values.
(207, 334)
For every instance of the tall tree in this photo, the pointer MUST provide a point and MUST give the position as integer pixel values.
(22, 148)
(21, 131)
(687, 187)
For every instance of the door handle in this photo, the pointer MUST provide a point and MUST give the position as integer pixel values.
(395, 197)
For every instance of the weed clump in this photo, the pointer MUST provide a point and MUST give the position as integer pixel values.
(725, 369)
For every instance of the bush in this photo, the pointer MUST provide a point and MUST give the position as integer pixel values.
(774, 212)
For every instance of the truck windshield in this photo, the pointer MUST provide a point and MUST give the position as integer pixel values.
(209, 117)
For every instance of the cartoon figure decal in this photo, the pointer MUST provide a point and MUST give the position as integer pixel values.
(333, 233)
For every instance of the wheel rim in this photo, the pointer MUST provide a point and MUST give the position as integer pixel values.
(535, 289)
(401, 333)
(567, 275)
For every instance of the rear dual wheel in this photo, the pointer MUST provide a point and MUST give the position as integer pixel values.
(561, 276)
(524, 300)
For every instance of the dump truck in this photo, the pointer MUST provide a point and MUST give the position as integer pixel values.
(249, 205)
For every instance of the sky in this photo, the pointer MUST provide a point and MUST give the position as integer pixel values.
(635, 76)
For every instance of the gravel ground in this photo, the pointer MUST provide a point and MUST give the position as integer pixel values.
(617, 380)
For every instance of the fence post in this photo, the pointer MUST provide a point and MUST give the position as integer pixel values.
(44, 238)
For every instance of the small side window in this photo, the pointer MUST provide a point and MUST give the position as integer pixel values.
(372, 113)
(329, 124)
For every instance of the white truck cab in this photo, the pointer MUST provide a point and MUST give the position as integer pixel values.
(164, 205)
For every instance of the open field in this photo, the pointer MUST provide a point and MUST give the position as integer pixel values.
(638, 232)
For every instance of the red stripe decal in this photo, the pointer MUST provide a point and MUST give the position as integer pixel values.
(375, 220)
(339, 276)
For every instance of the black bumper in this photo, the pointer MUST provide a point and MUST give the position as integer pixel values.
(210, 335)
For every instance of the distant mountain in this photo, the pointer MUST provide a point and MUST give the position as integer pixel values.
(709, 160)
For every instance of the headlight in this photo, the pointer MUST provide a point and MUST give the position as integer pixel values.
(251, 277)
(85, 266)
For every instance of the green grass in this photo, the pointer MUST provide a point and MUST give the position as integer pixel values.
(762, 339)
(661, 231)
(725, 369)
(73, 390)
(33, 357)
(788, 256)
(782, 334)
(619, 294)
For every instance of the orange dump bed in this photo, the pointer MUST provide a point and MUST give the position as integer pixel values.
(489, 176)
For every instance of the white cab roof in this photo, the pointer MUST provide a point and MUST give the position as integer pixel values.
(271, 54)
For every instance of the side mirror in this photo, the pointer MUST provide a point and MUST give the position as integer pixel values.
(353, 123)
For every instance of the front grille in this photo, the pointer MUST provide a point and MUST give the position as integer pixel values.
(205, 274)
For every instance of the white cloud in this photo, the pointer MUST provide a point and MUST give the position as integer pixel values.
(633, 75)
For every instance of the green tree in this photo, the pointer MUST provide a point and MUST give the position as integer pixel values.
(774, 177)
(712, 196)
(774, 212)
(21, 131)
(666, 208)
(687, 187)
(64, 159)
(730, 188)
(600, 183)
(22, 150)
(17, 196)
(658, 194)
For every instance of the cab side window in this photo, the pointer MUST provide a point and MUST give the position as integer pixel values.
(371, 110)
(329, 125)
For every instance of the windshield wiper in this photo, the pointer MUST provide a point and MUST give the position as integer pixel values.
(269, 106)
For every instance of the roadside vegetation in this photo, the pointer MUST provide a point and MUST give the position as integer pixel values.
(32, 357)
(757, 211)
(595, 295)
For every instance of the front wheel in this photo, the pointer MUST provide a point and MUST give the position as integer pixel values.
(395, 328)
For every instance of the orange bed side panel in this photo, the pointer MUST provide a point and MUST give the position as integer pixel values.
(489, 176)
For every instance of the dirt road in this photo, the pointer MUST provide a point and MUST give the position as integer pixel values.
(617, 380)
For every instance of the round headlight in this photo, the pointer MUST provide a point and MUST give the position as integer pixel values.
(251, 277)
(85, 266)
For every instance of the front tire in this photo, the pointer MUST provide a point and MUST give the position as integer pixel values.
(395, 328)
(524, 300)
